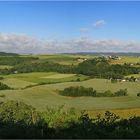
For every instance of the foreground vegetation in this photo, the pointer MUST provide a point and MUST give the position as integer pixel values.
(19, 120)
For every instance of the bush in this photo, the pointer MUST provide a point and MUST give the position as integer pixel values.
(138, 94)
(78, 79)
(2, 95)
(82, 91)
(121, 92)
(4, 86)
(107, 93)
(113, 80)
(78, 91)
(1, 78)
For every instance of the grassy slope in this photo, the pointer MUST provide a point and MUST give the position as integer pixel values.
(42, 96)
(46, 95)
(16, 83)
(47, 77)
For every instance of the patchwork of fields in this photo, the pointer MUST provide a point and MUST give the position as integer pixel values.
(41, 96)
(47, 95)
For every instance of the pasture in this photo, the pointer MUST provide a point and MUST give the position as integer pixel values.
(47, 95)
(127, 59)
(42, 96)
(46, 77)
(63, 58)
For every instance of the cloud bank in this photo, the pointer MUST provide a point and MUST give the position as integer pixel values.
(26, 44)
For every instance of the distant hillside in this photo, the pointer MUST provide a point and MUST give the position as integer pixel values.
(8, 54)
(106, 53)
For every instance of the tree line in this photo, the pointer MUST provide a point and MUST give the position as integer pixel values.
(77, 91)
(97, 67)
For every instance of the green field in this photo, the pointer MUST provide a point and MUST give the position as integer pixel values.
(47, 95)
(127, 59)
(63, 59)
(41, 96)
(46, 77)
(72, 59)
(135, 75)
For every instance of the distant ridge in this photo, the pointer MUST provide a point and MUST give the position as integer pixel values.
(106, 53)
(8, 54)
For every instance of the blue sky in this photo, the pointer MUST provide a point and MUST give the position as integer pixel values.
(71, 20)
(64, 19)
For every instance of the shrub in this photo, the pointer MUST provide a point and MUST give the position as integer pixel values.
(1, 78)
(4, 86)
(121, 92)
(138, 94)
(113, 80)
(82, 91)
(2, 95)
(78, 79)
(78, 91)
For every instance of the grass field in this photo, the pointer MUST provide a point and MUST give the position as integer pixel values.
(46, 95)
(62, 59)
(135, 75)
(127, 59)
(46, 77)
(72, 59)
(59, 76)
(16, 83)
(122, 113)
(42, 96)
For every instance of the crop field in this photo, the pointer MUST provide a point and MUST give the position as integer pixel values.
(46, 77)
(16, 83)
(63, 59)
(59, 76)
(127, 59)
(47, 95)
(123, 113)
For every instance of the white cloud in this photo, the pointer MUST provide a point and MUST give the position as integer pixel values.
(26, 44)
(84, 30)
(99, 23)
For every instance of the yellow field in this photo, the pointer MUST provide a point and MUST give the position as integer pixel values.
(123, 113)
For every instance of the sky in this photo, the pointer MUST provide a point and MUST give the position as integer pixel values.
(69, 26)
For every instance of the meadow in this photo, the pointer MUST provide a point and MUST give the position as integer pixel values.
(45, 77)
(127, 59)
(46, 95)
